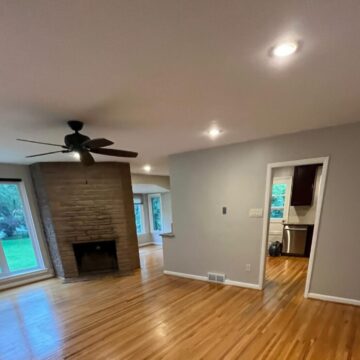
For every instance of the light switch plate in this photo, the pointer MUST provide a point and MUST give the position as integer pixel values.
(256, 213)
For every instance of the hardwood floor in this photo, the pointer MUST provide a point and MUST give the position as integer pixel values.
(153, 316)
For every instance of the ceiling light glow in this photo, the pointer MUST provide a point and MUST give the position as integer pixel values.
(285, 49)
(76, 155)
(147, 168)
(214, 132)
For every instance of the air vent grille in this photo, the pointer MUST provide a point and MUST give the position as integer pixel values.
(211, 277)
(214, 277)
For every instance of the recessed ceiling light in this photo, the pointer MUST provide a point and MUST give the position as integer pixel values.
(214, 132)
(147, 168)
(285, 49)
(76, 155)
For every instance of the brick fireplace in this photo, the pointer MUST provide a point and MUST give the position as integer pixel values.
(81, 205)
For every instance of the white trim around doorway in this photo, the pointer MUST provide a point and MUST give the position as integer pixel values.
(321, 160)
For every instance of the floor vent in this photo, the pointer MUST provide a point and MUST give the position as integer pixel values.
(211, 277)
(220, 278)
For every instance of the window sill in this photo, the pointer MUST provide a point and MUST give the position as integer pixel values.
(25, 278)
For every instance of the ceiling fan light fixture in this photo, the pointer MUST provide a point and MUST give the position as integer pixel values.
(76, 155)
(81, 146)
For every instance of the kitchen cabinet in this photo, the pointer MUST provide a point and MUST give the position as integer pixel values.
(303, 185)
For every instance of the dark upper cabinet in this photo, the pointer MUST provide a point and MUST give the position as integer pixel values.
(303, 185)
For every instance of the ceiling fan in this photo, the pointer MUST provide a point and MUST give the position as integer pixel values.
(83, 146)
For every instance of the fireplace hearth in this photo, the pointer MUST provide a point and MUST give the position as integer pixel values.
(95, 257)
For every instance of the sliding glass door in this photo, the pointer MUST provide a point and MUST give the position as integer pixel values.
(19, 248)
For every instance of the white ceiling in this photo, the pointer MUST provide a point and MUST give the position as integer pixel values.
(153, 75)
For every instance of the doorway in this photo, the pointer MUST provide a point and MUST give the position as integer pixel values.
(293, 201)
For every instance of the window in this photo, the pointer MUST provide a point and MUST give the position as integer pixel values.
(19, 247)
(280, 198)
(155, 213)
(139, 215)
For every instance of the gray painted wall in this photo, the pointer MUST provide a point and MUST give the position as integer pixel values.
(234, 176)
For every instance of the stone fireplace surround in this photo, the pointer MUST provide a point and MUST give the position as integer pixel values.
(83, 204)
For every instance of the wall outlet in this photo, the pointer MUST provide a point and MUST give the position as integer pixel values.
(256, 213)
(247, 267)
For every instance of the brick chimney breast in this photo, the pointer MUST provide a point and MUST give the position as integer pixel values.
(86, 204)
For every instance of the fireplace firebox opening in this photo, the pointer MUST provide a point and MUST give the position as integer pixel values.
(95, 257)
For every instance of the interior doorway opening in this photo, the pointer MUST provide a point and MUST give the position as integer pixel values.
(293, 203)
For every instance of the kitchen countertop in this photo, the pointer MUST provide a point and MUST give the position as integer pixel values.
(297, 224)
(169, 235)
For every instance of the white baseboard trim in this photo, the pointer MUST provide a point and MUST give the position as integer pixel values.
(334, 299)
(25, 279)
(187, 276)
(204, 278)
(242, 284)
(148, 243)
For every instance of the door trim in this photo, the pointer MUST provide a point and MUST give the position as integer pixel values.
(266, 221)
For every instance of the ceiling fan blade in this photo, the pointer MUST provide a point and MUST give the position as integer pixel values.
(86, 158)
(42, 143)
(96, 143)
(48, 153)
(115, 152)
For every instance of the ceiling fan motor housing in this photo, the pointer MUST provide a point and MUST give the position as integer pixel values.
(75, 125)
(74, 141)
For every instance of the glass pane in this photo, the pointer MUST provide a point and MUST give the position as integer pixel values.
(138, 218)
(156, 213)
(277, 213)
(278, 201)
(19, 253)
(279, 189)
(15, 241)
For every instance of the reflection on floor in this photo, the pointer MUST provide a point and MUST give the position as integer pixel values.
(286, 269)
(150, 315)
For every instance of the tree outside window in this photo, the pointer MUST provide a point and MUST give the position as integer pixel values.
(18, 246)
(156, 213)
(278, 197)
(139, 218)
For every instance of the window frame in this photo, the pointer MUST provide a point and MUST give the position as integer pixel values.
(30, 225)
(282, 180)
(151, 218)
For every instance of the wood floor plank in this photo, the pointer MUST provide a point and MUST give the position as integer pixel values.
(153, 316)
